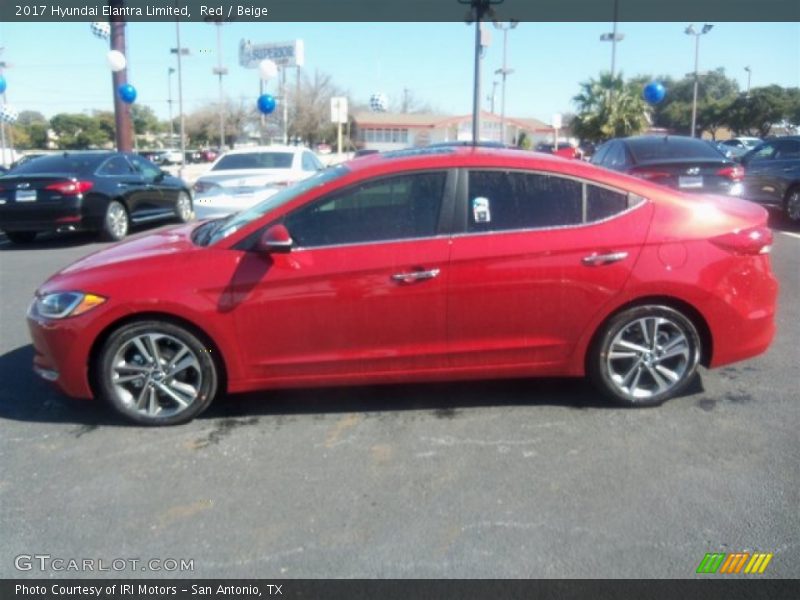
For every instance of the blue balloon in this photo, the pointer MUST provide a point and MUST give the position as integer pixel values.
(654, 92)
(266, 103)
(3, 84)
(127, 93)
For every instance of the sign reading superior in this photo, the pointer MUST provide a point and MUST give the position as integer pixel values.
(283, 54)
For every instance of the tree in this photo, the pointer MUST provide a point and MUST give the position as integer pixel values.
(757, 113)
(311, 107)
(79, 131)
(144, 119)
(607, 108)
(30, 130)
(202, 126)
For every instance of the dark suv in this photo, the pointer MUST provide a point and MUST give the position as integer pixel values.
(772, 175)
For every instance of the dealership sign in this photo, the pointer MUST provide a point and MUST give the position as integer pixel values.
(283, 54)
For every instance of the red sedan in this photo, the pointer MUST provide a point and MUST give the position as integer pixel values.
(418, 265)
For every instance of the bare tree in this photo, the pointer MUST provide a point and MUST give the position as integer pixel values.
(311, 107)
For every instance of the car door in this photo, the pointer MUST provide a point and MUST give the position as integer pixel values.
(539, 255)
(761, 175)
(362, 291)
(155, 199)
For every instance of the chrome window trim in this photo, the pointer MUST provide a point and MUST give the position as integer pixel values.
(445, 236)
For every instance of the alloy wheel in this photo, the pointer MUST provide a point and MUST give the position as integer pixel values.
(793, 205)
(117, 220)
(156, 375)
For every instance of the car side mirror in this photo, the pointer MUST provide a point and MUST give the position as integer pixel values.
(275, 239)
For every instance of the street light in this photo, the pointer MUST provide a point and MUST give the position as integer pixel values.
(479, 10)
(180, 51)
(613, 37)
(170, 71)
(220, 71)
(690, 30)
(749, 74)
(491, 96)
(505, 71)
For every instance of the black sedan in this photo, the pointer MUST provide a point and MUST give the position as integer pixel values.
(684, 163)
(772, 175)
(88, 191)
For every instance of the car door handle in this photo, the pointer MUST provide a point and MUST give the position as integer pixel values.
(596, 260)
(415, 276)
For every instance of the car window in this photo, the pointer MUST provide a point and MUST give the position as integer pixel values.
(600, 155)
(395, 208)
(144, 166)
(255, 160)
(616, 157)
(500, 200)
(648, 148)
(787, 149)
(310, 162)
(115, 166)
(765, 152)
(61, 163)
(602, 203)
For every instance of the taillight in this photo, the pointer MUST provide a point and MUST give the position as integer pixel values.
(201, 187)
(751, 241)
(70, 188)
(734, 172)
(651, 175)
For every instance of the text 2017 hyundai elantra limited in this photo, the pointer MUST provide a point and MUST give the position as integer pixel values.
(420, 265)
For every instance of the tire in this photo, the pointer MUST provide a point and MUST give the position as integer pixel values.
(638, 378)
(791, 204)
(137, 373)
(183, 207)
(116, 222)
(21, 237)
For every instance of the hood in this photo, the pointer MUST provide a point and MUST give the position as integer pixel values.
(106, 265)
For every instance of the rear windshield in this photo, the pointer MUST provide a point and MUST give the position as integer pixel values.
(659, 148)
(255, 160)
(59, 163)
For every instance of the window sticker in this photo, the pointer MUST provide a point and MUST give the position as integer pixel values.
(480, 210)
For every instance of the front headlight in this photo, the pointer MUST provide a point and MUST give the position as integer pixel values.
(66, 304)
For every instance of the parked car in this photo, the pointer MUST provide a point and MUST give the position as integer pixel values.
(209, 154)
(172, 156)
(684, 163)
(88, 191)
(420, 265)
(244, 177)
(772, 175)
(564, 150)
(743, 143)
(727, 151)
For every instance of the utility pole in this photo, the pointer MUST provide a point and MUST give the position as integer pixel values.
(122, 114)
(749, 73)
(491, 96)
(5, 141)
(170, 71)
(180, 51)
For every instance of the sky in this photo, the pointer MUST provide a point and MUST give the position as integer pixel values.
(61, 67)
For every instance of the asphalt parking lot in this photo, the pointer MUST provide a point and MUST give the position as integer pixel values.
(493, 479)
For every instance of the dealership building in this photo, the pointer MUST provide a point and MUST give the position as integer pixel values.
(384, 131)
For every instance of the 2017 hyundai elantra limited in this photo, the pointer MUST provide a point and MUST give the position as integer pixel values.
(418, 265)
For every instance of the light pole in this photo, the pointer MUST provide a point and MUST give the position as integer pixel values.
(220, 71)
(479, 9)
(613, 37)
(170, 71)
(180, 51)
(691, 31)
(5, 142)
(749, 74)
(505, 71)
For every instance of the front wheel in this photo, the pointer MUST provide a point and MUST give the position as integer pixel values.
(644, 355)
(156, 373)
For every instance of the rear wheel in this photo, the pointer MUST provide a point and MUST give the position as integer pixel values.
(644, 355)
(791, 204)
(156, 373)
(116, 222)
(183, 207)
(21, 237)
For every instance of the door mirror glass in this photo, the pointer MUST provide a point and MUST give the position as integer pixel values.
(275, 239)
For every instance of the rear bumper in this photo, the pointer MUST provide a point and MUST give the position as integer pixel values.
(69, 215)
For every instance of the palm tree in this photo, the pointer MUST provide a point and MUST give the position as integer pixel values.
(607, 107)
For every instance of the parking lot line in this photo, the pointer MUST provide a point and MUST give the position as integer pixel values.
(791, 234)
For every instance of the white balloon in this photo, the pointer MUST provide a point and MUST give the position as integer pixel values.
(268, 69)
(116, 60)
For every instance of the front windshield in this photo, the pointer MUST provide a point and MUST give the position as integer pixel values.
(235, 222)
